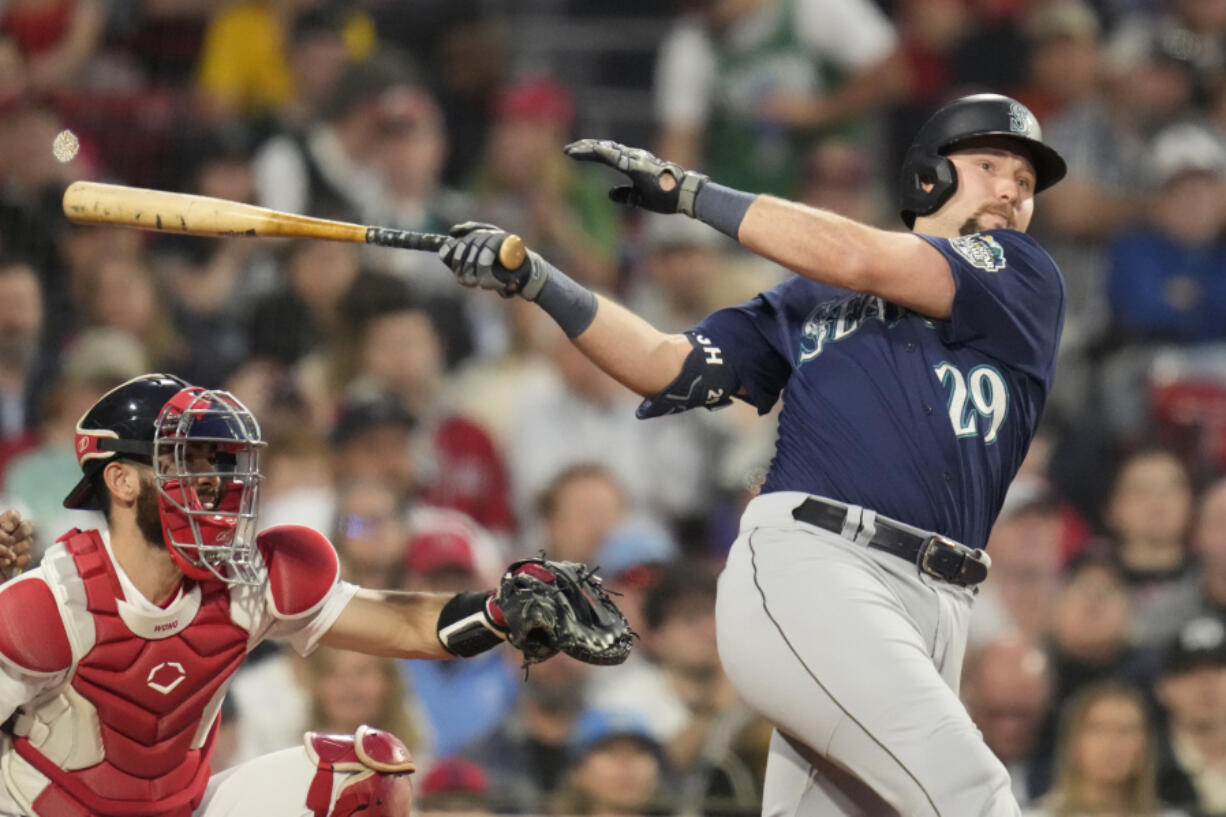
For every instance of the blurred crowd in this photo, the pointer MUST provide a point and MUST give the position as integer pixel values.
(435, 433)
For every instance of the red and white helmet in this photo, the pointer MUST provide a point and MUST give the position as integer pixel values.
(204, 446)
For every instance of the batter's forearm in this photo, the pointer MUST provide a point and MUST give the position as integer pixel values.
(632, 351)
(814, 243)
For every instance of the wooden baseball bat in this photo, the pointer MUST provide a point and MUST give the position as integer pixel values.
(167, 212)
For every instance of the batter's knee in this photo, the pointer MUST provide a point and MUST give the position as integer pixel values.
(365, 773)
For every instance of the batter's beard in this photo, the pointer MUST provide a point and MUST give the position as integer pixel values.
(148, 516)
(971, 226)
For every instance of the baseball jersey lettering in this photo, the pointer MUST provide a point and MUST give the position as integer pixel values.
(991, 363)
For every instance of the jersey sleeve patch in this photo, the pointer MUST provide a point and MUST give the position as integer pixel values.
(32, 633)
(302, 568)
(981, 251)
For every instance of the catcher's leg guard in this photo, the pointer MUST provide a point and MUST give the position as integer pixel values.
(365, 773)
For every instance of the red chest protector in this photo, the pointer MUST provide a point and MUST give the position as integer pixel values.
(152, 697)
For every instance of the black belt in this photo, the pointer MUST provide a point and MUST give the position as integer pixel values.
(934, 554)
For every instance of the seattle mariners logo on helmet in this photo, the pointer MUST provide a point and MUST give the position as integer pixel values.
(1021, 120)
(928, 179)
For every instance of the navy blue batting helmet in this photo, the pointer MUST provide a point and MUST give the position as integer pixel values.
(960, 121)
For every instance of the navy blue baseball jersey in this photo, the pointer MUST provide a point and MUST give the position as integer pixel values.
(925, 421)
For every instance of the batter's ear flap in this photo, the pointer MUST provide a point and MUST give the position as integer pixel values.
(927, 181)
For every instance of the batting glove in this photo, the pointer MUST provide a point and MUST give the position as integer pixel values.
(471, 252)
(645, 171)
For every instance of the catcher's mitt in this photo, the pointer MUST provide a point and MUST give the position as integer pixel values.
(553, 607)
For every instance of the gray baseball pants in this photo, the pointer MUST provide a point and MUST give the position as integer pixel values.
(855, 656)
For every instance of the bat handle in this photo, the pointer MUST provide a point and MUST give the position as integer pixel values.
(404, 239)
(511, 254)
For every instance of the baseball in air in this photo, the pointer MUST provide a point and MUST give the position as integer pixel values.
(65, 146)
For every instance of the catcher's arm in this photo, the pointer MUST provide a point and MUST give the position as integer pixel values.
(541, 607)
(391, 623)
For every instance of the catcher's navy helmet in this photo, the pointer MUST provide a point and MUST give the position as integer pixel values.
(958, 122)
(123, 421)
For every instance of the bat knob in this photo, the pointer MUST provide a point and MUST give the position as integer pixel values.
(512, 252)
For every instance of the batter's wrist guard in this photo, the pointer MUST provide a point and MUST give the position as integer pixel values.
(565, 300)
(721, 207)
(471, 623)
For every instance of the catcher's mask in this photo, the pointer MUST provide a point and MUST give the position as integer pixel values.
(206, 459)
(204, 448)
(962, 120)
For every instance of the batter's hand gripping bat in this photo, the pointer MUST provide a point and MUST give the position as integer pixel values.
(96, 203)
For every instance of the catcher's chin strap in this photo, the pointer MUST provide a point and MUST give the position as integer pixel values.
(470, 624)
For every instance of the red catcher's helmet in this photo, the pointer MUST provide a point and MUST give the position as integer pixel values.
(958, 122)
(208, 513)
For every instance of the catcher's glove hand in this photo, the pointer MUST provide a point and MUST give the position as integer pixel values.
(551, 607)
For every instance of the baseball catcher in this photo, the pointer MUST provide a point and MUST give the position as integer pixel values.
(117, 649)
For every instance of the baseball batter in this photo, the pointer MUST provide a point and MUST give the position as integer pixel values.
(908, 405)
(117, 650)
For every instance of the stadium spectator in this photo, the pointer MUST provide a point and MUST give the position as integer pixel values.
(677, 686)
(22, 366)
(583, 415)
(373, 439)
(305, 314)
(399, 351)
(1007, 687)
(1192, 691)
(1165, 281)
(743, 85)
(685, 269)
(579, 508)
(99, 360)
(464, 699)
(1026, 563)
(1106, 758)
(123, 294)
(370, 533)
(410, 147)
(325, 167)
(1065, 58)
(1148, 514)
(837, 176)
(616, 768)
(526, 756)
(454, 785)
(1202, 592)
(1102, 135)
(1089, 632)
(525, 181)
(245, 67)
(348, 689)
(211, 282)
(57, 40)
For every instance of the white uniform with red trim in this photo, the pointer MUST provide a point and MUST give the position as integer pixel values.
(116, 699)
